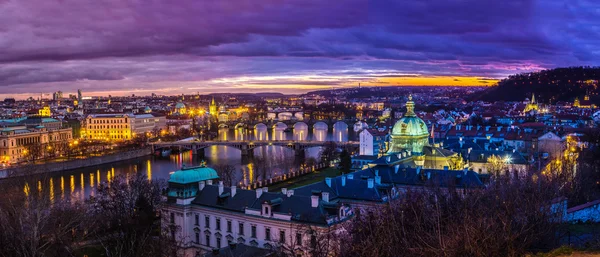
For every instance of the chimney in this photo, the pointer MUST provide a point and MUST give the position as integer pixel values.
(328, 182)
(370, 183)
(220, 187)
(325, 196)
(201, 185)
(350, 176)
(314, 201)
(258, 192)
(290, 192)
(284, 191)
(233, 190)
(209, 182)
(378, 180)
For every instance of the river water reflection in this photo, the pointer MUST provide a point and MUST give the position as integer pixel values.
(268, 160)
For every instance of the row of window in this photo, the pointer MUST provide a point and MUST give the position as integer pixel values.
(103, 121)
(108, 126)
(241, 231)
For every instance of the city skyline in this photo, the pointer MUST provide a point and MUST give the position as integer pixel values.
(123, 48)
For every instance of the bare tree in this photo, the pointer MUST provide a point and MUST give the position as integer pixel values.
(125, 211)
(508, 218)
(226, 172)
(33, 224)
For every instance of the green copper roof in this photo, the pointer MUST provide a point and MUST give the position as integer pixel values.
(410, 126)
(193, 174)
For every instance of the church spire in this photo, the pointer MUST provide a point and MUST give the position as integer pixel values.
(410, 107)
(532, 98)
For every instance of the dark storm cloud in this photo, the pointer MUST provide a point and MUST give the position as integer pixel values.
(150, 43)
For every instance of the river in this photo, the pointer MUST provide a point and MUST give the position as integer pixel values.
(276, 160)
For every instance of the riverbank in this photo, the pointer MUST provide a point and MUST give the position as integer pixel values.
(73, 164)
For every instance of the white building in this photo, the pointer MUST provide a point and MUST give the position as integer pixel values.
(211, 216)
(372, 141)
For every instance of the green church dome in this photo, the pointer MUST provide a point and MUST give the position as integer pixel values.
(179, 105)
(193, 174)
(410, 124)
(409, 133)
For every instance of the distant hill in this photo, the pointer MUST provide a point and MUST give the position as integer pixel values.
(549, 86)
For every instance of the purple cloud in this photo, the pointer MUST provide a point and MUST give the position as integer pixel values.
(154, 45)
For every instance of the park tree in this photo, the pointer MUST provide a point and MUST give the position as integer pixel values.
(345, 161)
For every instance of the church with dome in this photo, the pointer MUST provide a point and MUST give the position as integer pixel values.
(409, 145)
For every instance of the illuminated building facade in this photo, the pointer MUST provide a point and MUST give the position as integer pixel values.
(213, 108)
(532, 105)
(45, 111)
(19, 143)
(108, 127)
(585, 103)
(120, 126)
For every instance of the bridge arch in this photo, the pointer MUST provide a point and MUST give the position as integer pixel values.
(240, 125)
(279, 126)
(300, 131)
(320, 131)
(284, 116)
(340, 125)
(260, 126)
(223, 125)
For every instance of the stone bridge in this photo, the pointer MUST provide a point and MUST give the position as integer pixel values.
(247, 147)
(289, 123)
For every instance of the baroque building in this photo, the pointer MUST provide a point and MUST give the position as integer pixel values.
(409, 145)
(213, 216)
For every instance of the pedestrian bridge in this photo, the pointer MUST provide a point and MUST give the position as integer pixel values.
(247, 147)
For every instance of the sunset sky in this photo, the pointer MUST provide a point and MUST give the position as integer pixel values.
(121, 47)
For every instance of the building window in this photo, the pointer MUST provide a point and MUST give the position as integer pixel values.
(218, 224)
(207, 240)
(268, 234)
(253, 234)
(229, 226)
(241, 229)
(298, 239)
(313, 241)
(197, 219)
(218, 242)
(282, 236)
(197, 238)
(206, 221)
(172, 217)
